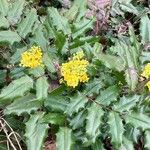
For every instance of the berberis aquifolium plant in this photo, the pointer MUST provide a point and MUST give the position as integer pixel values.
(74, 74)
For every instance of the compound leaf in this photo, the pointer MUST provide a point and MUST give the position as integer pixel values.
(25, 27)
(64, 140)
(77, 102)
(93, 122)
(22, 105)
(116, 128)
(17, 88)
(35, 132)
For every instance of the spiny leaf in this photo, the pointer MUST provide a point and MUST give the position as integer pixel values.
(77, 6)
(2, 76)
(145, 57)
(4, 7)
(16, 57)
(53, 118)
(59, 21)
(56, 101)
(129, 8)
(17, 88)
(78, 120)
(127, 144)
(112, 62)
(93, 122)
(77, 102)
(98, 145)
(25, 27)
(48, 61)
(134, 39)
(130, 57)
(35, 132)
(93, 87)
(108, 95)
(116, 129)
(64, 140)
(37, 72)
(138, 120)
(22, 105)
(9, 37)
(4, 22)
(16, 11)
(131, 78)
(41, 88)
(82, 26)
(39, 38)
(145, 29)
(147, 139)
(126, 103)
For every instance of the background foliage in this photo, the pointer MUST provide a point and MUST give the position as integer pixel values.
(111, 111)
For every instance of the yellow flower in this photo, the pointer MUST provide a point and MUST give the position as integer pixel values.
(78, 55)
(146, 74)
(148, 85)
(75, 71)
(32, 58)
(146, 71)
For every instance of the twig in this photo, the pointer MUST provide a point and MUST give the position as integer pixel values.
(12, 132)
(5, 131)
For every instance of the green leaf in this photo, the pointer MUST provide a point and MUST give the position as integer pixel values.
(145, 29)
(145, 57)
(116, 129)
(4, 7)
(59, 21)
(25, 104)
(39, 38)
(93, 87)
(16, 57)
(25, 26)
(2, 76)
(60, 42)
(134, 39)
(54, 118)
(16, 11)
(98, 145)
(17, 88)
(3, 146)
(41, 88)
(112, 62)
(9, 37)
(131, 78)
(35, 132)
(147, 139)
(82, 26)
(4, 22)
(127, 144)
(130, 57)
(126, 103)
(93, 122)
(108, 95)
(77, 7)
(48, 61)
(37, 72)
(64, 139)
(138, 120)
(77, 102)
(78, 120)
(56, 101)
(128, 7)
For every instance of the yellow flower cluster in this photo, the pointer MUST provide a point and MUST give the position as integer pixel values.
(146, 74)
(32, 58)
(75, 71)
